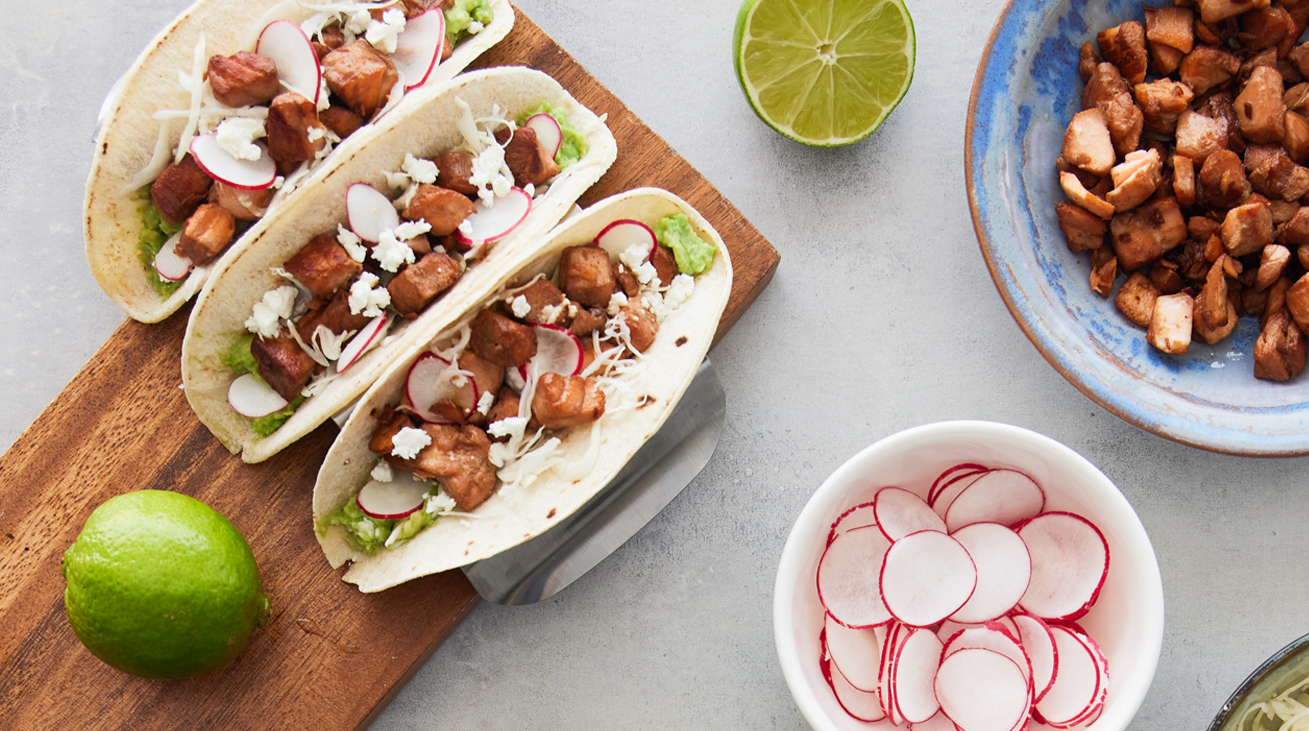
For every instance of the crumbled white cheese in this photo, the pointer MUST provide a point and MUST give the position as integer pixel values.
(439, 503)
(485, 402)
(420, 170)
(466, 228)
(520, 307)
(396, 179)
(367, 299)
(237, 135)
(382, 472)
(383, 33)
(408, 442)
(410, 229)
(646, 273)
(635, 255)
(277, 304)
(616, 303)
(550, 313)
(390, 252)
(491, 175)
(512, 426)
(315, 134)
(352, 244)
(359, 21)
(530, 190)
(475, 26)
(678, 292)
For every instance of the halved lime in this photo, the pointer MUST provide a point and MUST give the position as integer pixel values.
(824, 72)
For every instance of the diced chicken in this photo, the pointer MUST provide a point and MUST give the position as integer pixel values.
(1082, 229)
(333, 314)
(1279, 353)
(628, 284)
(1260, 111)
(1124, 47)
(1112, 95)
(1295, 232)
(642, 327)
(1166, 279)
(179, 189)
(206, 233)
(1170, 323)
(1136, 298)
(342, 121)
(242, 79)
(1166, 59)
(1273, 261)
(486, 375)
(1264, 28)
(1171, 25)
(501, 340)
(1277, 176)
(1247, 229)
(1209, 334)
(1104, 83)
(244, 205)
(587, 321)
(1083, 197)
(1296, 139)
(454, 167)
(1143, 234)
(1282, 211)
(323, 266)
(1135, 180)
(564, 401)
(390, 422)
(442, 209)
(1214, 11)
(1184, 180)
(1162, 102)
(1296, 301)
(1211, 303)
(506, 406)
(665, 264)
(1087, 60)
(544, 299)
(283, 364)
(1222, 181)
(1199, 136)
(1104, 269)
(421, 282)
(1206, 67)
(587, 275)
(526, 157)
(294, 132)
(1087, 144)
(360, 76)
(459, 457)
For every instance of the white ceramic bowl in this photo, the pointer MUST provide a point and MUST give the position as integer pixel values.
(1127, 620)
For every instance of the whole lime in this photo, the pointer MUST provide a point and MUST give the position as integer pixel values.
(161, 585)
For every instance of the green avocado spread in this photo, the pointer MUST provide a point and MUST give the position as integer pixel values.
(694, 255)
(460, 15)
(368, 534)
(240, 360)
(155, 232)
(573, 146)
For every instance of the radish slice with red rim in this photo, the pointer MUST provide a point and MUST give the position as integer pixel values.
(251, 397)
(547, 130)
(1004, 569)
(619, 235)
(1076, 685)
(926, 577)
(951, 489)
(973, 674)
(418, 47)
(254, 174)
(861, 705)
(847, 578)
(558, 350)
(961, 470)
(991, 636)
(899, 512)
(1038, 644)
(169, 264)
(363, 341)
(392, 500)
(917, 660)
(895, 633)
(297, 63)
(490, 224)
(369, 211)
(999, 496)
(859, 516)
(1070, 559)
(425, 387)
(939, 722)
(856, 652)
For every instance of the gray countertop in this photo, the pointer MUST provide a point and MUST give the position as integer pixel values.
(882, 316)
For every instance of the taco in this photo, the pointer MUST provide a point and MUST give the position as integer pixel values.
(529, 400)
(298, 322)
(203, 135)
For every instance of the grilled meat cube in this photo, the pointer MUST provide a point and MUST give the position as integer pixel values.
(323, 266)
(501, 340)
(1105, 83)
(332, 37)
(1199, 136)
(587, 275)
(628, 284)
(1214, 11)
(459, 457)
(242, 79)
(1296, 301)
(563, 401)
(1247, 229)
(486, 375)
(1206, 67)
(1166, 59)
(526, 156)
(506, 405)
(1143, 234)
(454, 168)
(1082, 229)
(1087, 60)
(1279, 353)
(1162, 102)
(421, 282)
(1166, 279)
(665, 264)
(1211, 335)
(333, 314)
(1083, 197)
(1264, 28)
(390, 422)
(1260, 111)
(1219, 105)
(1184, 180)
(1296, 139)
(587, 321)
(1211, 303)
(545, 300)
(1112, 95)
(1087, 143)
(1171, 25)
(179, 189)
(206, 233)
(1222, 181)
(1135, 180)
(1136, 298)
(1124, 47)
(1277, 176)
(343, 122)
(1104, 269)
(360, 76)
(244, 205)
(442, 209)
(642, 327)
(294, 132)
(1273, 261)
(1170, 323)
(1295, 232)
(283, 364)
(1282, 211)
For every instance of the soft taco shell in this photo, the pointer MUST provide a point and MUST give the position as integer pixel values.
(243, 277)
(506, 520)
(111, 220)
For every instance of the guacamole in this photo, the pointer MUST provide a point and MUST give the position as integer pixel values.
(241, 361)
(694, 255)
(155, 232)
(368, 534)
(573, 146)
(460, 15)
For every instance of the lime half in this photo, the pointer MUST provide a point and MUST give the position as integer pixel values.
(824, 72)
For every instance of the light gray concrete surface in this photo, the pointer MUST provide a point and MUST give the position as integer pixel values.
(882, 316)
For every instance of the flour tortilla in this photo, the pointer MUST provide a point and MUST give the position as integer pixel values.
(509, 518)
(111, 220)
(243, 277)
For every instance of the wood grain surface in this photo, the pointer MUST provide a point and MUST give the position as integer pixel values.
(330, 657)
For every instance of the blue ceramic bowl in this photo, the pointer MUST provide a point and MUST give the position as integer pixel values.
(1027, 89)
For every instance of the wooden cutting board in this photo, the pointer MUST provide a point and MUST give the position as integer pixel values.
(330, 657)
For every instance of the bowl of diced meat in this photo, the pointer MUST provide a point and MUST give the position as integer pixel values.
(1138, 179)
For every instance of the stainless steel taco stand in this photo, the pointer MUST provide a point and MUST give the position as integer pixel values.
(539, 568)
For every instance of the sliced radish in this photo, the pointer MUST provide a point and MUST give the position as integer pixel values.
(363, 341)
(558, 350)
(847, 578)
(951, 489)
(243, 174)
(425, 386)
(999, 496)
(488, 225)
(169, 264)
(857, 517)
(856, 652)
(860, 704)
(939, 722)
(297, 63)
(926, 577)
(1004, 569)
(547, 132)
(624, 233)
(1038, 644)
(982, 690)
(918, 658)
(895, 633)
(949, 627)
(1070, 560)
(251, 397)
(899, 512)
(991, 636)
(369, 211)
(392, 500)
(418, 47)
(1076, 685)
(963, 469)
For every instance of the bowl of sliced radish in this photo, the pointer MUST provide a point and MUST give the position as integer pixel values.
(968, 576)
